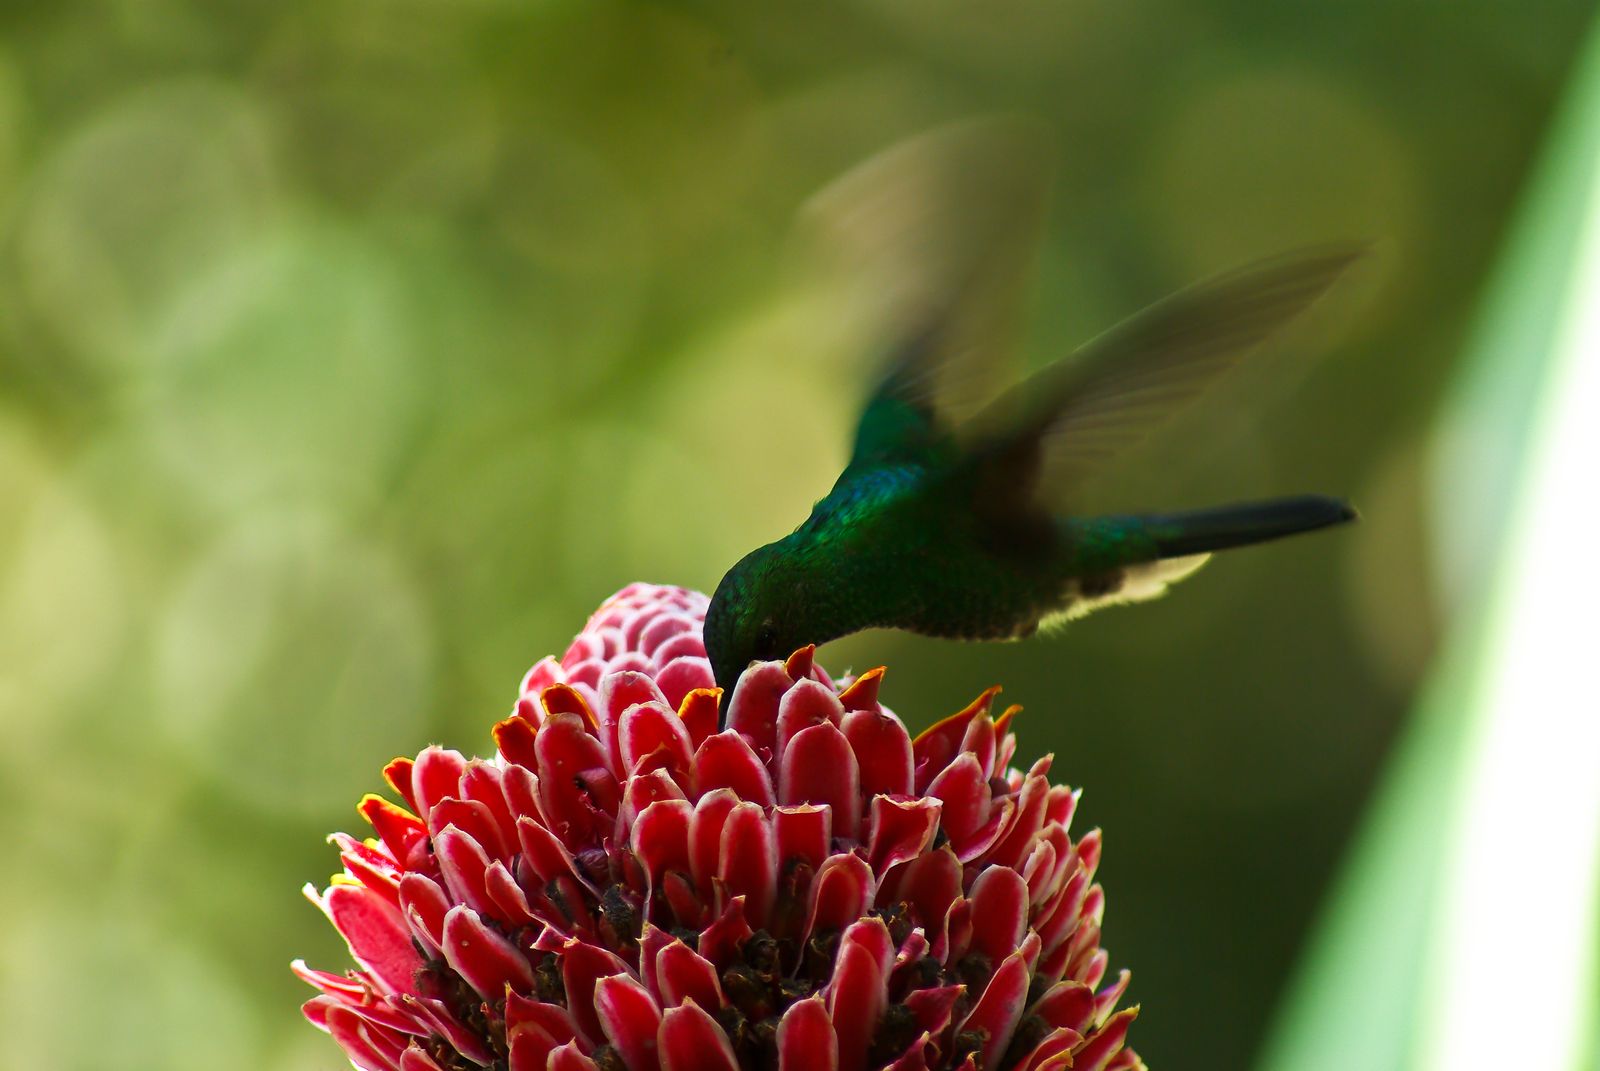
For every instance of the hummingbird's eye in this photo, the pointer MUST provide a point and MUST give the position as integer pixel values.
(767, 641)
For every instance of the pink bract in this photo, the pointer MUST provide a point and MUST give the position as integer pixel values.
(810, 889)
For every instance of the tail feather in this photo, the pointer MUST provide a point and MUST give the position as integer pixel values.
(1202, 531)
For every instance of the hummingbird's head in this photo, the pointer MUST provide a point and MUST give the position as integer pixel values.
(751, 618)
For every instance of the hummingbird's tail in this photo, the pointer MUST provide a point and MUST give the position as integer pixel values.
(1201, 531)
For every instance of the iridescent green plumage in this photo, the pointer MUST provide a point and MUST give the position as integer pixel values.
(960, 525)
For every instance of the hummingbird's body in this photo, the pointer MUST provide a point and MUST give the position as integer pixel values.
(908, 547)
(951, 531)
(962, 522)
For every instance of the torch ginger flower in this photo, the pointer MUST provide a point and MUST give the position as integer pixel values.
(625, 887)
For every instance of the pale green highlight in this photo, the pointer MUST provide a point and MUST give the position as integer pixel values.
(1464, 931)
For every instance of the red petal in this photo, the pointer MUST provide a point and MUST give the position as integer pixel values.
(424, 905)
(376, 934)
(981, 841)
(370, 866)
(530, 1052)
(651, 727)
(806, 704)
(818, 767)
(1062, 804)
(513, 738)
(567, 699)
(371, 1007)
(1054, 1053)
(699, 710)
(840, 893)
(935, 746)
(661, 837)
(705, 838)
(586, 674)
(574, 783)
(901, 829)
(586, 645)
(400, 830)
(1018, 840)
(753, 709)
(1070, 1005)
(998, 1010)
(1107, 998)
(414, 1059)
(462, 863)
(683, 974)
(856, 999)
(692, 1041)
(1096, 1053)
(1066, 860)
(882, 750)
(1089, 851)
(677, 888)
(966, 795)
(725, 760)
(748, 863)
(440, 1021)
(483, 784)
(916, 1057)
(872, 934)
(546, 856)
(550, 1021)
(1039, 868)
(800, 664)
(398, 774)
(545, 672)
(999, 912)
(1056, 920)
(631, 1020)
(343, 988)
(509, 901)
(487, 961)
(930, 884)
(1093, 971)
(654, 786)
(682, 677)
(720, 942)
(582, 966)
(570, 1058)
(664, 628)
(979, 742)
(806, 1041)
(803, 833)
(619, 693)
(472, 818)
(437, 774)
(933, 1007)
(683, 645)
(863, 691)
(369, 1046)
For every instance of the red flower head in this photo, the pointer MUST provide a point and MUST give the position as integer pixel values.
(624, 887)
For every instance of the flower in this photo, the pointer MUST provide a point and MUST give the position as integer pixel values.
(625, 887)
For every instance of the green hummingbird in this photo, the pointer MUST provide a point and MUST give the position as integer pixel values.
(962, 528)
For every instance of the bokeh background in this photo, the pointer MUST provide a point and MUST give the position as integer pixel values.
(351, 353)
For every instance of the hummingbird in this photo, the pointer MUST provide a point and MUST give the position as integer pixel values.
(963, 528)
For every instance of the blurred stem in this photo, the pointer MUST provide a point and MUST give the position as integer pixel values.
(1463, 931)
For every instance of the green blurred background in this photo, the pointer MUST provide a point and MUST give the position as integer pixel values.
(351, 353)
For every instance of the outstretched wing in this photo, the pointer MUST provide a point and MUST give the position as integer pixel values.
(1041, 439)
(927, 246)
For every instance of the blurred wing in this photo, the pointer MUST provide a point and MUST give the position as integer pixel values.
(926, 247)
(1063, 423)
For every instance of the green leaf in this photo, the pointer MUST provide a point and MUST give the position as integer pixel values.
(1465, 929)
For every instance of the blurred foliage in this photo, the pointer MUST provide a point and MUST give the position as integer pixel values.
(351, 353)
(1502, 751)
